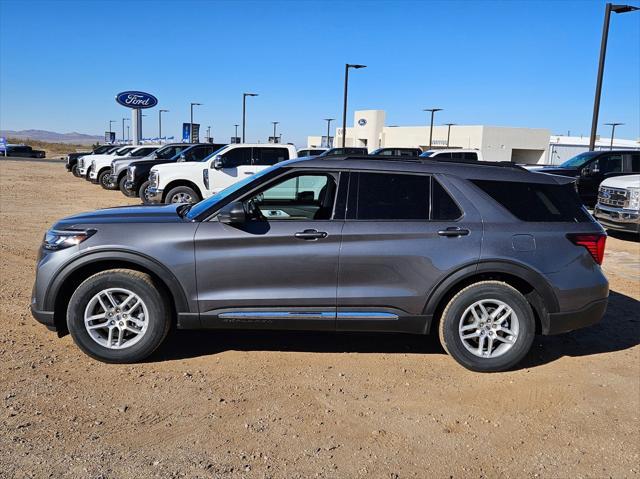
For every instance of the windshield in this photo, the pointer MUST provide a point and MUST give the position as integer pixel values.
(124, 151)
(427, 153)
(204, 205)
(170, 151)
(217, 152)
(577, 161)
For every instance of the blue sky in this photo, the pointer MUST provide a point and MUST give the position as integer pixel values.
(516, 63)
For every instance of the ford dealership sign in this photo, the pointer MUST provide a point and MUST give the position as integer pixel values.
(136, 99)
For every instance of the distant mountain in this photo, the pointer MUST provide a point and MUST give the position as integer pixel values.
(52, 136)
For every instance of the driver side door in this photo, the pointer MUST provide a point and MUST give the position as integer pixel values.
(279, 269)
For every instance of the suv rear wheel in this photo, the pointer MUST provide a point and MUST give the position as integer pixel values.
(488, 326)
(118, 316)
(182, 194)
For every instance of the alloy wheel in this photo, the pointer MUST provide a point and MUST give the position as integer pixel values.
(488, 328)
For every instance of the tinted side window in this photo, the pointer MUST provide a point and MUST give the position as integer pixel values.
(537, 202)
(635, 162)
(392, 197)
(197, 153)
(442, 156)
(443, 208)
(471, 156)
(237, 157)
(608, 164)
(269, 156)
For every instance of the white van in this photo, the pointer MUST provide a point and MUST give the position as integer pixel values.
(191, 181)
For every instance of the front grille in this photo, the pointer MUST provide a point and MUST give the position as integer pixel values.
(613, 197)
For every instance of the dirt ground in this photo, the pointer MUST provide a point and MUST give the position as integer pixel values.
(237, 404)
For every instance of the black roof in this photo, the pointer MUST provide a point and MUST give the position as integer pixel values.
(480, 170)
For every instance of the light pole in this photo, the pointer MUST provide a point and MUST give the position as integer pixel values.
(603, 51)
(432, 110)
(209, 134)
(123, 120)
(244, 111)
(160, 112)
(449, 125)
(274, 131)
(235, 138)
(344, 107)
(192, 104)
(613, 131)
(128, 133)
(329, 120)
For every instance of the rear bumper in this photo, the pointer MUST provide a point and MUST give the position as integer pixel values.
(44, 317)
(568, 321)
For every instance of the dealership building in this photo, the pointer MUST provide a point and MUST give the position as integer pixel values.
(521, 145)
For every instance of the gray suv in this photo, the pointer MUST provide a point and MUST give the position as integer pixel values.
(487, 255)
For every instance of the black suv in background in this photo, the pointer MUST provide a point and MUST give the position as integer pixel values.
(486, 255)
(137, 182)
(592, 167)
(23, 151)
(396, 152)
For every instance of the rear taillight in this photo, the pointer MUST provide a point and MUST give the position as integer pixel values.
(593, 242)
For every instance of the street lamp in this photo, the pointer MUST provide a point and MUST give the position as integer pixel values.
(344, 107)
(244, 111)
(123, 120)
(613, 131)
(432, 110)
(235, 138)
(128, 133)
(192, 104)
(160, 112)
(209, 133)
(449, 131)
(274, 130)
(329, 120)
(603, 51)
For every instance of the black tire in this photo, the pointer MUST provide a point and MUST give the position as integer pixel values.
(74, 171)
(142, 193)
(103, 180)
(125, 191)
(184, 192)
(453, 315)
(157, 304)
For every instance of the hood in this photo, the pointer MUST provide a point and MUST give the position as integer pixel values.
(123, 214)
(629, 181)
(556, 170)
(151, 162)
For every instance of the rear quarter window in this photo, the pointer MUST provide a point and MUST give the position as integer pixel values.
(536, 202)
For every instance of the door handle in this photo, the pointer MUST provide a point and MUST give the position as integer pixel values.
(310, 235)
(454, 231)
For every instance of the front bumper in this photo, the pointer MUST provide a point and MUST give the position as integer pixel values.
(155, 195)
(44, 317)
(568, 321)
(618, 219)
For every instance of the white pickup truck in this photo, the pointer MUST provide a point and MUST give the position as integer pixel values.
(84, 162)
(191, 181)
(618, 206)
(100, 167)
(454, 154)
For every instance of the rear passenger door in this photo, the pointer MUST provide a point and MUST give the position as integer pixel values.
(403, 234)
(265, 157)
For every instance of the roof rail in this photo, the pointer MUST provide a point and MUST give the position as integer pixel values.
(423, 159)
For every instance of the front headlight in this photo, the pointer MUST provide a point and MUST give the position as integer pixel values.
(131, 173)
(93, 165)
(153, 178)
(60, 239)
(634, 198)
(205, 177)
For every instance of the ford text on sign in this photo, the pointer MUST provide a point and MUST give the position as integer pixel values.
(136, 99)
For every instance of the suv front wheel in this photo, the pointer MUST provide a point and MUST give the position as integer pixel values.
(488, 326)
(118, 316)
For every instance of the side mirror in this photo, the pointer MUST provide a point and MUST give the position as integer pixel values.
(233, 213)
(182, 158)
(217, 163)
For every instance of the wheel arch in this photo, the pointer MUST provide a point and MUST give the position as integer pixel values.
(75, 272)
(530, 283)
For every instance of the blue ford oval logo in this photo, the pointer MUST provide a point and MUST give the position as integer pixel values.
(362, 121)
(136, 99)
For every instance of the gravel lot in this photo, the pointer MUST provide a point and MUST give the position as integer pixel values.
(257, 404)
